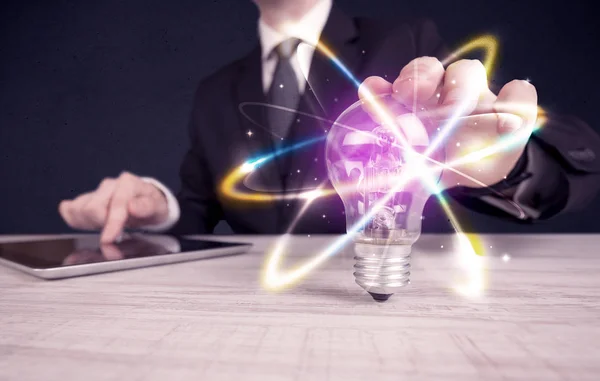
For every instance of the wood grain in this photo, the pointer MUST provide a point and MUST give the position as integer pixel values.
(539, 319)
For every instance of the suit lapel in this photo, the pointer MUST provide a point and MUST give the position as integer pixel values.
(249, 101)
(329, 91)
(330, 84)
(252, 117)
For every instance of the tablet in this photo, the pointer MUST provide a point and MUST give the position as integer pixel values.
(71, 257)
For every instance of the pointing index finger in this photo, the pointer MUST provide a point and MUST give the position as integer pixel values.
(117, 210)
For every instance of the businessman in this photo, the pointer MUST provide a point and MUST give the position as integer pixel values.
(557, 170)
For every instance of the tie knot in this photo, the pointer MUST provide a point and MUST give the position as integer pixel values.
(286, 48)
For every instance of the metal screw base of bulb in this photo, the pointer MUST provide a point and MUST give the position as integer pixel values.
(382, 270)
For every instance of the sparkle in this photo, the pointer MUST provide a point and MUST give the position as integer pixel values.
(438, 95)
(363, 52)
(458, 144)
(324, 216)
(453, 82)
(298, 171)
(274, 278)
(315, 179)
(335, 99)
(249, 133)
(506, 257)
(309, 236)
(441, 247)
(281, 85)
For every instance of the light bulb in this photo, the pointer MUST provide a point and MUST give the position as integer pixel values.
(376, 163)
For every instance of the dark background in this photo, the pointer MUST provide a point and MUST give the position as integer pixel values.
(88, 89)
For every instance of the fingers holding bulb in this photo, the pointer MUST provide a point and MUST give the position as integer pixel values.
(419, 81)
(465, 82)
(369, 91)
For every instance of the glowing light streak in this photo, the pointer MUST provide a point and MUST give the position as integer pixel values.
(271, 279)
(367, 94)
(447, 128)
(274, 279)
(504, 143)
(232, 179)
(471, 246)
(487, 43)
(229, 184)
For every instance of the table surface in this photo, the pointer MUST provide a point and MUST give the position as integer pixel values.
(538, 318)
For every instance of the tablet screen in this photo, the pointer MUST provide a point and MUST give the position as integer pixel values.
(65, 252)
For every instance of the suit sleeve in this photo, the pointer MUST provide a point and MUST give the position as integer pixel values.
(558, 173)
(200, 210)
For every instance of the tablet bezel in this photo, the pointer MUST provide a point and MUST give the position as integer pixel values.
(75, 270)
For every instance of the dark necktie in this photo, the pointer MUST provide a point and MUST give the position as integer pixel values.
(284, 91)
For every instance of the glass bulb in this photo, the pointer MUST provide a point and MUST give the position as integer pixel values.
(377, 165)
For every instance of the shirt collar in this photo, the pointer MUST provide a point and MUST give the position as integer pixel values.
(307, 29)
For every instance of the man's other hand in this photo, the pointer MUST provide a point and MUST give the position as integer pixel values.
(117, 203)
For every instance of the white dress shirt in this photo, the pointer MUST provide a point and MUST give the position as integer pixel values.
(308, 29)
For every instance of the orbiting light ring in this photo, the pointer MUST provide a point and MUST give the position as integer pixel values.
(274, 279)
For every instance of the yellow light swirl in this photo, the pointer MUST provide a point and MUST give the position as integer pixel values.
(487, 43)
(274, 279)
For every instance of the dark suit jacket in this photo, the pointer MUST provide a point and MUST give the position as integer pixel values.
(565, 174)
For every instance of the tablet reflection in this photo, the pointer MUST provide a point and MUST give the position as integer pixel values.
(129, 247)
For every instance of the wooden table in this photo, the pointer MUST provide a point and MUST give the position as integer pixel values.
(539, 319)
